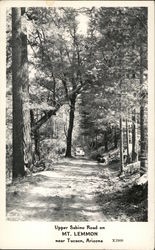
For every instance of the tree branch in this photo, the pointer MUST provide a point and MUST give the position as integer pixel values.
(41, 121)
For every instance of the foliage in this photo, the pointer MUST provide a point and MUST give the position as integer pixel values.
(115, 35)
(99, 70)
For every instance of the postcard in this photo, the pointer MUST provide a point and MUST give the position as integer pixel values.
(77, 125)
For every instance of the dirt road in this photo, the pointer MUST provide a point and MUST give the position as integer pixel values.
(68, 193)
(77, 190)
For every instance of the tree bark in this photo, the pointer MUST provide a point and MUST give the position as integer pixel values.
(96, 141)
(54, 86)
(36, 152)
(127, 141)
(36, 142)
(143, 143)
(44, 119)
(121, 145)
(115, 138)
(70, 128)
(106, 141)
(143, 158)
(18, 135)
(134, 138)
(25, 99)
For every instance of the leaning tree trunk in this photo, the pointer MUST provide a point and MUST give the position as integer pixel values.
(70, 128)
(18, 136)
(25, 99)
(36, 143)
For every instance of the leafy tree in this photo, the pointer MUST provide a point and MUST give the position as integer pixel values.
(61, 62)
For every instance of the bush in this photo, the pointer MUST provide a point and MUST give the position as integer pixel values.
(95, 153)
(52, 149)
(9, 161)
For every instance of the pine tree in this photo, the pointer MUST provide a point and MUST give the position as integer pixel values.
(22, 155)
(25, 97)
(18, 134)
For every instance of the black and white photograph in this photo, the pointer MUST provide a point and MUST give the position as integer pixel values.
(77, 116)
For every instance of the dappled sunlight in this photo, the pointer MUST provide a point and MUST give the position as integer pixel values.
(71, 192)
(77, 113)
(66, 193)
(83, 161)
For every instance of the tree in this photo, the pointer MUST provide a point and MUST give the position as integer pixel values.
(51, 58)
(18, 134)
(60, 61)
(127, 141)
(134, 137)
(143, 106)
(22, 155)
(25, 96)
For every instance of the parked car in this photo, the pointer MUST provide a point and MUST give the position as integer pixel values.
(79, 152)
(102, 159)
(107, 158)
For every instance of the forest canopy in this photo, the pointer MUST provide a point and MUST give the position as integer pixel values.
(76, 78)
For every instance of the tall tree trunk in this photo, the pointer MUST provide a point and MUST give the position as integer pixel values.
(106, 141)
(51, 125)
(121, 145)
(18, 136)
(36, 152)
(136, 136)
(70, 128)
(115, 138)
(25, 99)
(133, 137)
(96, 141)
(54, 86)
(33, 137)
(143, 143)
(36, 141)
(143, 165)
(127, 141)
(121, 130)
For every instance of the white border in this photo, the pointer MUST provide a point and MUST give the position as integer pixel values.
(30, 235)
